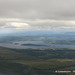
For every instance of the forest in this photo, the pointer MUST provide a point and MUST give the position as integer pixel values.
(37, 61)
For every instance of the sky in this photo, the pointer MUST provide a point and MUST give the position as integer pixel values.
(16, 15)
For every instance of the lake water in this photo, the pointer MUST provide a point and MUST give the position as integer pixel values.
(18, 45)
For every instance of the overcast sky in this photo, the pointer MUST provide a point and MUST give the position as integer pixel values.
(37, 14)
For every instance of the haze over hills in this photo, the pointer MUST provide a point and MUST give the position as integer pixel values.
(37, 52)
(37, 37)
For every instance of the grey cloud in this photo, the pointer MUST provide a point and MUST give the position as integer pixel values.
(36, 24)
(38, 9)
(29, 11)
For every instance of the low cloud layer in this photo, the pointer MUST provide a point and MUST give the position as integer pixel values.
(38, 24)
(37, 14)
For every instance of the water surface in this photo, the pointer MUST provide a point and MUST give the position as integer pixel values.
(33, 44)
